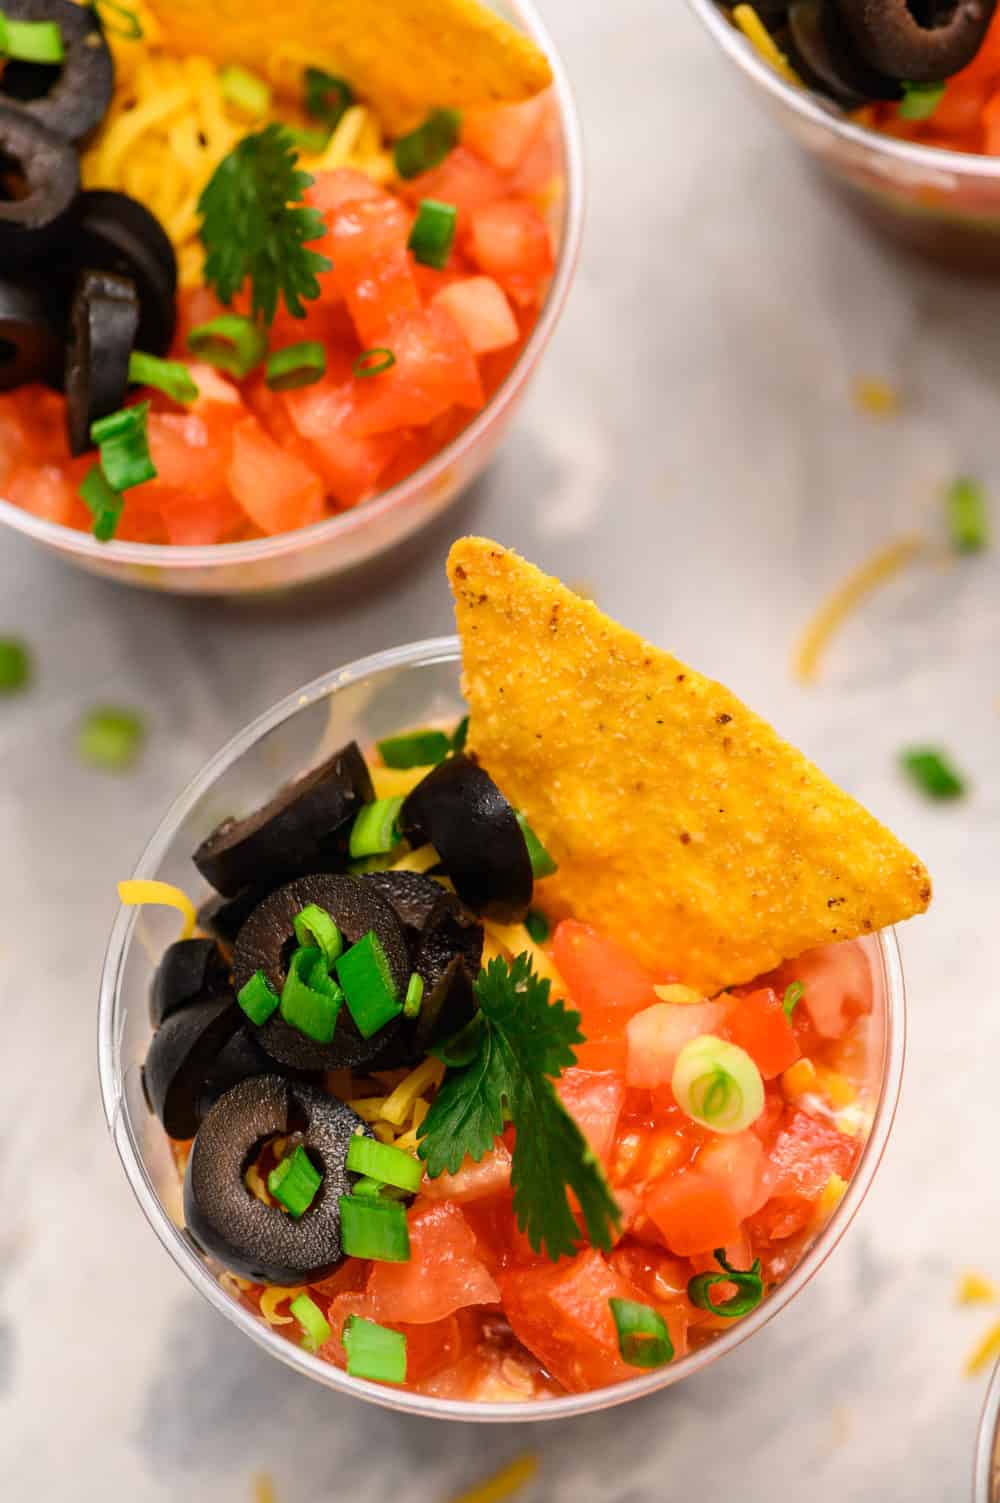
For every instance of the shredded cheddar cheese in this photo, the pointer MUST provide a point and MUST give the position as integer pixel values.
(763, 43)
(834, 611)
(135, 892)
(400, 1103)
(275, 1295)
(417, 861)
(397, 782)
(514, 939)
(506, 1482)
(976, 1289)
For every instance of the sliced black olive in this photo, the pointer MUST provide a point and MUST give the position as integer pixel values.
(267, 939)
(239, 1059)
(73, 97)
(254, 1240)
(112, 232)
(39, 182)
(30, 346)
(225, 917)
(459, 809)
(103, 324)
(412, 896)
(917, 48)
(179, 1058)
(824, 52)
(305, 828)
(192, 970)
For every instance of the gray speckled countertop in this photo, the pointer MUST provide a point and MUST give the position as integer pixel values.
(691, 449)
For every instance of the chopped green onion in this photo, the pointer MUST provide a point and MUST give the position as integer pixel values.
(793, 995)
(110, 738)
(375, 831)
(643, 1337)
(258, 998)
(298, 365)
(373, 1351)
(542, 864)
(748, 1282)
(31, 41)
(124, 445)
(537, 926)
(314, 926)
(294, 1182)
(230, 342)
(717, 1084)
(328, 97)
(15, 665)
(929, 768)
(373, 362)
(104, 502)
(366, 1186)
(169, 376)
(460, 735)
(312, 142)
(245, 91)
(374, 1229)
(968, 522)
(413, 1001)
(310, 999)
(381, 1161)
(418, 749)
(433, 233)
(920, 100)
(429, 144)
(315, 1326)
(363, 972)
(128, 28)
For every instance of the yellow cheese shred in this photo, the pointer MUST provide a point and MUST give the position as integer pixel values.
(400, 1103)
(846, 598)
(263, 1489)
(984, 1352)
(976, 1289)
(136, 891)
(763, 43)
(275, 1295)
(514, 939)
(515, 1475)
(876, 397)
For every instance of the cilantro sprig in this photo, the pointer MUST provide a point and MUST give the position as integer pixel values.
(254, 226)
(501, 1069)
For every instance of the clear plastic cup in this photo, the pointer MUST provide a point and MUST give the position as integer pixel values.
(356, 536)
(986, 1484)
(945, 205)
(368, 700)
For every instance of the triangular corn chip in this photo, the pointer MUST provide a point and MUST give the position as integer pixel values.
(403, 56)
(683, 825)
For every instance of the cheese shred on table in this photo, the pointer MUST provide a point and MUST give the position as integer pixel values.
(506, 1482)
(846, 598)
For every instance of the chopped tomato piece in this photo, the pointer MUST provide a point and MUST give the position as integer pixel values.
(473, 1181)
(462, 179)
(350, 466)
(657, 1035)
(594, 1101)
(501, 134)
(838, 986)
(510, 241)
(46, 492)
(758, 1024)
(191, 452)
(444, 1273)
(737, 1161)
(434, 369)
(276, 489)
(371, 264)
(606, 985)
(806, 1152)
(14, 439)
(694, 1213)
(330, 191)
(429, 1348)
(482, 312)
(604, 1054)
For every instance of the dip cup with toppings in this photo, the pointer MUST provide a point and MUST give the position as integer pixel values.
(986, 1485)
(500, 1375)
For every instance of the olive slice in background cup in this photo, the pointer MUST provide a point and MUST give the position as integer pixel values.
(943, 205)
(367, 701)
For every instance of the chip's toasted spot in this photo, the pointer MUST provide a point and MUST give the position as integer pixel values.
(402, 56)
(771, 841)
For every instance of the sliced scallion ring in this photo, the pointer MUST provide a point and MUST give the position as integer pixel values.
(169, 376)
(31, 41)
(258, 998)
(315, 1326)
(373, 1351)
(294, 1182)
(793, 996)
(429, 144)
(297, 365)
(104, 503)
(414, 749)
(230, 342)
(748, 1281)
(124, 445)
(374, 362)
(643, 1337)
(383, 1162)
(314, 927)
(433, 233)
(718, 1085)
(245, 91)
(328, 96)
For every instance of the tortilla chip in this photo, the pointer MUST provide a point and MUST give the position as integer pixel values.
(403, 56)
(684, 827)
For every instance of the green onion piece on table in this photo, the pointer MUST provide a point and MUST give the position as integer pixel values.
(310, 998)
(429, 144)
(749, 1285)
(792, 997)
(328, 96)
(381, 1161)
(537, 926)
(31, 41)
(433, 233)
(314, 927)
(643, 1337)
(231, 343)
(413, 1001)
(373, 1351)
(968, 523)
(542, 864)
(417, 749)
(169, 376)
(104, 503)
(124, 445)
(245, 91)
(110, 738)
(258, 998)
(460, 735)
(363, 972)
(15, 665)
(930, 770)
(717, 1084)
(297, 365)
(374, 1229)
(315, 1326)
(373, 362)
(294, 1182)
(375, 830)
(920, 100)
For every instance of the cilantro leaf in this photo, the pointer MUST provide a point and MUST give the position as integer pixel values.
(254, 226)
(500, 1069)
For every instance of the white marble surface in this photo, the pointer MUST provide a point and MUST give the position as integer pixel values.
(691, 449)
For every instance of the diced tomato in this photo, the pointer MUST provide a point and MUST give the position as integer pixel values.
(542, 165)
(606, 985)
(758, 1024)
(371, 264)
(510, 241)
(14, 439)
(838, 986)
(462, 179)
(561, 1314)
(482, 312)
(444, 1273)
(737, 1161)
(43, 413)
(351, 467)
(191, 452)
(434, 370)
(594, 1101)
(657, 1035)
(501, 134)
(805, 1153)
(330, 191)
(473, 1181)
(195, 306)
(46, 492)
(604, 1054)
(694, 1212)
(214, 389)
(276, 489)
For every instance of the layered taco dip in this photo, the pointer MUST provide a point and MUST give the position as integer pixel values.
(257, 267)
(519, 1056)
